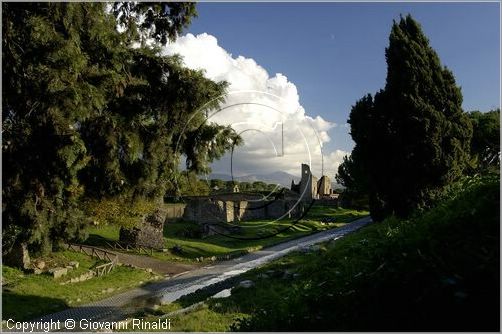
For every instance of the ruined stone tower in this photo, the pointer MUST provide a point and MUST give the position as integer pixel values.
(308, 185)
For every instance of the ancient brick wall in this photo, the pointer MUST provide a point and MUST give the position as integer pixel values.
(207, 210)
(174, 210)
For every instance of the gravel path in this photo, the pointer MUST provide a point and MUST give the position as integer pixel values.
(118, 307)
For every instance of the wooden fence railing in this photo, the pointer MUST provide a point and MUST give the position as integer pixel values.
(99, 253)
(139, 249)
(104, 268)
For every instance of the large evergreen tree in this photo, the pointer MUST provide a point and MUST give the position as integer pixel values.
(413, 138)
(161, 21)
(84, 113)
(59, 68)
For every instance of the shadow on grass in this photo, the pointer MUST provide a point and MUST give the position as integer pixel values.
(98, 241)
(26, 307)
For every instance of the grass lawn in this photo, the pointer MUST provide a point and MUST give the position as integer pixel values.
(437, 271)
(218, 245)
(26, 296)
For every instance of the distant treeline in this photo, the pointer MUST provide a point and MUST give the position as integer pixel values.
(190, 184)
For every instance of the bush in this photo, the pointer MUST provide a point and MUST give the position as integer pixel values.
(118, 211)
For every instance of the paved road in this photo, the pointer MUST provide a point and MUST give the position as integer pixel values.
(118, 307)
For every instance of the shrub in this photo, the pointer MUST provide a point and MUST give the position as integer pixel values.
(118, 211)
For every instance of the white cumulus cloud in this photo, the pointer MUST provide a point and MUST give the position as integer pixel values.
(278, 134)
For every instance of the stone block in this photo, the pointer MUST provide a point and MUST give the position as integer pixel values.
(18, 256)
(58, 272)
(87, 276)
(74, 264)
(40, 264)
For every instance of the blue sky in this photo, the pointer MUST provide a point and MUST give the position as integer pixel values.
(334, 52)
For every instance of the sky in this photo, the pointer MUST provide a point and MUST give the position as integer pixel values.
(295, 70)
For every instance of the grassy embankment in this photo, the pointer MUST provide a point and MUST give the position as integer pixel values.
(26, 296)
(317, 219)
(438, 270)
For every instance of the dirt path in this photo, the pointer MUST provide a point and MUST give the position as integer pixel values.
(164, 268)
(158, 266)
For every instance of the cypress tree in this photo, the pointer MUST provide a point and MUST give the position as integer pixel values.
(416, 135)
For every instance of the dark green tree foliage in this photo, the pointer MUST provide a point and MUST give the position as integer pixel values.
(352, 172)
(50, 84)
(413, 138)
(485, 144)
(144, 132)
(217, 184)
(163, 21)
(85, 114)
(353, 178)
(189, 184)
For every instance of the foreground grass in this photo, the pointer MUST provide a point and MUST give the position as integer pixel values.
(204, 318)
(219, 245)
(26, 296)
(437, 271)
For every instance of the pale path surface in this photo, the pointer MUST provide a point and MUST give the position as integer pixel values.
(140, 261)
(158, 266)
(118, 307)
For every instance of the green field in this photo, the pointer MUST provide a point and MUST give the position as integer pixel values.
(219, 245)
(26, 296)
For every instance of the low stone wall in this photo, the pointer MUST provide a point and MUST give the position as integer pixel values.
(208, 210)
(334, 202)
(251, 210)
(174, 210)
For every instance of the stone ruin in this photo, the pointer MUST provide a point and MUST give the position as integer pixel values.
(239, 207)
(214, 212)
(311, 188)
(149, 233)
(18, 256)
